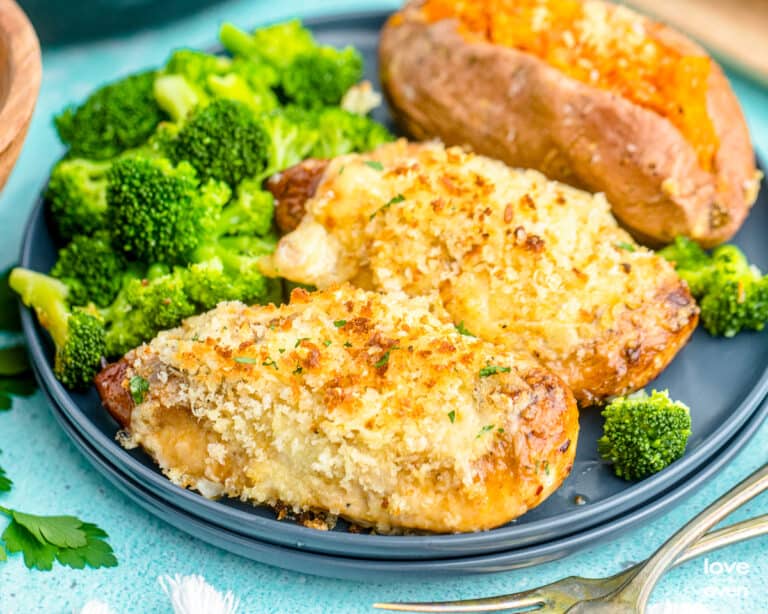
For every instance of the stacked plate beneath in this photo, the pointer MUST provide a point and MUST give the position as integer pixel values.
(724, 381)
(354, 567)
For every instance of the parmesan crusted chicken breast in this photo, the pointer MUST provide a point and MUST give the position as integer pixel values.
(372, 407)
(522, 261)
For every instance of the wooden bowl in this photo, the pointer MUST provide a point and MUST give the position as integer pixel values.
(20, 74)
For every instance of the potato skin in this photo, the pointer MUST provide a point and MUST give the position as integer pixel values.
(513, 106)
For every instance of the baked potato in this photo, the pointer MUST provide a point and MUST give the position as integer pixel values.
(589, 93)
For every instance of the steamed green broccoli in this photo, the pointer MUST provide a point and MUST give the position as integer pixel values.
(341, 132)
(252, 212)
(278, 44)
(311, 75)
(114, 118)
(91, 269)
(224, 141)
(192, 79)
(293, 134)
(76, 194)
(644, 434)
(732, 294)
(322, 77)
(78, 335)
(167, 217)
(146, 304)
(228, 270)
(159, 213)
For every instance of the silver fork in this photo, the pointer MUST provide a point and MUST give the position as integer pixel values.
(627, 591)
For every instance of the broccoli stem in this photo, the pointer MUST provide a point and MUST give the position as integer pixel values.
(47, 296)
(238, 42)
(175, 96)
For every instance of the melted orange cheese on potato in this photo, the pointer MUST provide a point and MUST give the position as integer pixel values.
(607, 46)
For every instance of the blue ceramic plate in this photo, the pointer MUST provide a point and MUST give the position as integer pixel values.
(366, 570)
(722, 380)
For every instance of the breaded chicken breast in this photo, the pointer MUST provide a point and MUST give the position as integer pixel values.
(369, 406)
(522, 261)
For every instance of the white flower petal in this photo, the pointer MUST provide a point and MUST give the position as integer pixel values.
(95, 606)
(193, 595)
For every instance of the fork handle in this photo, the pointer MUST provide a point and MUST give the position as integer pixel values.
(644, 582)
(732, 534)
(737, 532)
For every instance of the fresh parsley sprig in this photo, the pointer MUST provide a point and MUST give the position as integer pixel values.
(44, 539)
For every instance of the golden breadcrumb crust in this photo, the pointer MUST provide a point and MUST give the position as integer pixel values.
(369, 406)
(532, 264)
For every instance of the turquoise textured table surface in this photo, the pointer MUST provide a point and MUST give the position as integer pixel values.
(52, 478)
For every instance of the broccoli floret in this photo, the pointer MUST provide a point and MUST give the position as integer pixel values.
(192, 78)
(311, 75)
(114, 118)
(251, 213)
(341, 132)
(692, 263)
(160, 213)
(78, 335)
(292, 134)
(76, 194)
(224, 141)
(732, 294)
(146, 305)
(322, 77)
(228, 270)
(91, 269)
(277, 44)
(644, 434)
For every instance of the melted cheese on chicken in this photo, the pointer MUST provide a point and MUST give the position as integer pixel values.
(369, 406)
(521, 260)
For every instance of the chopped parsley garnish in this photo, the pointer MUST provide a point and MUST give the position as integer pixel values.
(195, 337)
(500, 430)
(299, 340)
(347, 344)
(327, 342)
(138, 387)
(297, 370)
(462, 330)
(281, 350)
(5, 482)
(341, 170)
(385, 358)
(246, 360)
(484, 430)
(392, 201)
(626, 246)
(269, 363)
(375, 165)
(339, 323)
(452, 416)
(493, 370)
